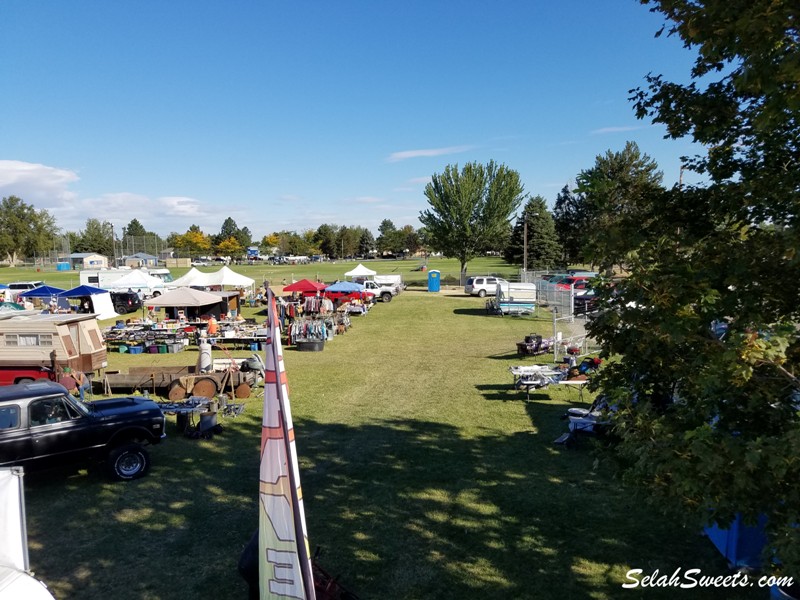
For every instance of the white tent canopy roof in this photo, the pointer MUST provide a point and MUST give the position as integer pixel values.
(184, 297)
(191, 277)
(137, 279)
(360, 271)
(226, 276)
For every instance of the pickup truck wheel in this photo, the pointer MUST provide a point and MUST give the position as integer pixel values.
(122, 309)
(127, 462)
(386, 297)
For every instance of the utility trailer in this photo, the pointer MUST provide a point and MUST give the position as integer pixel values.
(177, 382)
(513, 299)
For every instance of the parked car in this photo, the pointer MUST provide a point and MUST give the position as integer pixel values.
(481, 286)
(17, 287)
(585, 304)
(126, 302)
(42, 425)
(578, 282)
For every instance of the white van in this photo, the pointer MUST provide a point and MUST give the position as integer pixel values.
(483, 286)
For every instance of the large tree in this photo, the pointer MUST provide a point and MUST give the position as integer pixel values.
(326, 239)
(470, 209)
(366, 243)
(192, 243)
(24, 231)
(615, 192)
(230, 229)
(570, 223)
(706, 329)
(390, 239)
(544, 250)
(96, 237)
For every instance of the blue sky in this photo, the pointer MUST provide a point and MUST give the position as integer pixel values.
(286, 115)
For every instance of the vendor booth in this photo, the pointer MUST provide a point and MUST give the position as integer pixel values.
(91, 300)
(189, 303)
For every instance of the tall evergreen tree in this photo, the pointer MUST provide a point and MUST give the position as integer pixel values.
(616, 192)
(570, 222)
(544, 250)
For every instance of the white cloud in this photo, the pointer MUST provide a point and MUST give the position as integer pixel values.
(604, 130)
(39, 185)
(406, 154)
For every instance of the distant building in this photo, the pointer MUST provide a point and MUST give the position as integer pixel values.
(87, 260)
(140, 259)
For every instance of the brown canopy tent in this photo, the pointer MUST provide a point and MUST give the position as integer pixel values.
(195, 303)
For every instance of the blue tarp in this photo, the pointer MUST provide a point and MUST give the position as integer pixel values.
(345, 286)
(82, 290)
(43, 291)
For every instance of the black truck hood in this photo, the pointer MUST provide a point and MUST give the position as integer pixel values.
(130, 404)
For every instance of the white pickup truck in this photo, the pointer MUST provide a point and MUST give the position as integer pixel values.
(384, 292)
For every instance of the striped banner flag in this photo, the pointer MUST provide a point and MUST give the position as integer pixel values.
(284, 560)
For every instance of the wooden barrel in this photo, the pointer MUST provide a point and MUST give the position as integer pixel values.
(242, 390)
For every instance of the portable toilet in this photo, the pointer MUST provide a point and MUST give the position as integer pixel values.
(434, 281)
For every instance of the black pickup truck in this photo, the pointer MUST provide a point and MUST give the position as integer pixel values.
(41, 424)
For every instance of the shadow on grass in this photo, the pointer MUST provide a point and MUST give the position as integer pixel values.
(505, 393)
(402, 509)
(472, 312)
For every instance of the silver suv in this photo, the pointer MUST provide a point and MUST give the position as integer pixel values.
(481, 286)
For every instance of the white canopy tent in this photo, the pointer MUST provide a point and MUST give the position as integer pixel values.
(226, 276)
(192, 277)
(360, 271)
(137, 279)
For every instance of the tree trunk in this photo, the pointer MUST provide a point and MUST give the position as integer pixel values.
(463, 272)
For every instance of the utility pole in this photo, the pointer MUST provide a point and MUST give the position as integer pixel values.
(525, 249)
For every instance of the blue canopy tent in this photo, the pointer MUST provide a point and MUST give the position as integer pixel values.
(82, 290)
(43, 291)
(93, 299)
(345, 286)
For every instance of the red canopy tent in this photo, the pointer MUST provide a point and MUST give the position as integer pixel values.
(305, 286)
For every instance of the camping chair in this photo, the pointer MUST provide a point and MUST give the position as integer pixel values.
(590, 421)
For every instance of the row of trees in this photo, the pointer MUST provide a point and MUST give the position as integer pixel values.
(27, 232)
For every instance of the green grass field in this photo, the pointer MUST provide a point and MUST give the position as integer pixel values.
(425, 476)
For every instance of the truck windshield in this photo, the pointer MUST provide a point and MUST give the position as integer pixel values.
(81, 407)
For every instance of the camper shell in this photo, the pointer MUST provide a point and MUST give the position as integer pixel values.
(38, 346)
